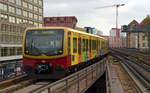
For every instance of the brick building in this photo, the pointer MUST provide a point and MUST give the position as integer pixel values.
(15, 16)
(137, 39)
(64, 21)
(117, 39)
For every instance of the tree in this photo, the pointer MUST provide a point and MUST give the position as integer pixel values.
(146, 21)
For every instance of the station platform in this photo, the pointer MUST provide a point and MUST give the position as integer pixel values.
(112, 82)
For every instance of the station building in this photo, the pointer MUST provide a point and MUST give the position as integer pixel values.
(138, 40)
(15, 16)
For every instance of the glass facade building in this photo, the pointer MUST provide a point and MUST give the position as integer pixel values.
(15, 16)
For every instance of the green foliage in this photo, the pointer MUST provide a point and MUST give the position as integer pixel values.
(146, 34)
(147, 20)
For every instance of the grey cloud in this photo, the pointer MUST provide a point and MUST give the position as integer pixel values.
(103, 19)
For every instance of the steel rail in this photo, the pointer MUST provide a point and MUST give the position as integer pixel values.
(136, 69)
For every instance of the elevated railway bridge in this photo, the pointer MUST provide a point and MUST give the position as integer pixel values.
(109, 75)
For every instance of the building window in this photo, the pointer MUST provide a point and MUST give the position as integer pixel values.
(18, 20)
(40, 18)
(25, 13)
(30, 6)
(4, 51)
(30, 15)
(3, 7)
(30, 0)
(11, 19)
(18, 2)
(143, 44)
(40, 2)
(40, 10)
(36, 24)
(19, 51)
(143, 37)
(3, 16)
(25, 21)
(30, 22)
(18, 11)
(36, 1)
(11, 9)
(35, 16)
(25, 4)
(12, 1)
(35, 9)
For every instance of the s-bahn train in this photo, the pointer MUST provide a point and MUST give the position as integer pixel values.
(51, 52)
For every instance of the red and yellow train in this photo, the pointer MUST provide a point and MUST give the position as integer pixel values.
(51, 52)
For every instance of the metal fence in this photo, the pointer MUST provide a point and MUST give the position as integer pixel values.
(78, 82)
(10, 69)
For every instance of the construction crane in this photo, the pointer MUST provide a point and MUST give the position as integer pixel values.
(115, 5)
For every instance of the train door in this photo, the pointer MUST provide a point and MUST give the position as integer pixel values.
(99, 51)
(90, 47)
(97, 47)
(69, 49)
(83, 48)
(87, 47)
(94, 47)
(102, 44)
(74, 49)
(79, 49)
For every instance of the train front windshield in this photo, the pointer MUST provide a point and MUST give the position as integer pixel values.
(48, 42)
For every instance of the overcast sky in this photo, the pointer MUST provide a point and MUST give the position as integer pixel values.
(104, 18)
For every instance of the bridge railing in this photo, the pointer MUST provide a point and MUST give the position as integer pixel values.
(10, 67)
(78, 82)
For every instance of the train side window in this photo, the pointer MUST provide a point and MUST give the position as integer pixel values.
(93, 44)
(98, 44)
(96, 47)
(90, 45)
(69, 46)
(87, 45)
(79, 45)
(74, 45)
(84, 45)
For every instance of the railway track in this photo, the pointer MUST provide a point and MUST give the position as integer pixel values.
(25, 85)
(34, 86)
(16, 84)
(137, 55)
(137, 71)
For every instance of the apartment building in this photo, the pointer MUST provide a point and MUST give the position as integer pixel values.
(137, 40)
(15, 16)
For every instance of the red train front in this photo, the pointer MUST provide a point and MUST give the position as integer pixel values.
(44, 53)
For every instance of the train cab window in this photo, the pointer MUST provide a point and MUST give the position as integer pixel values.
(74, 45)
(84, 45)
(44, 41)
(87, 43)
(79, 45)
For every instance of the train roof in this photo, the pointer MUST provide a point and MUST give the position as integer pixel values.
(72, 30)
